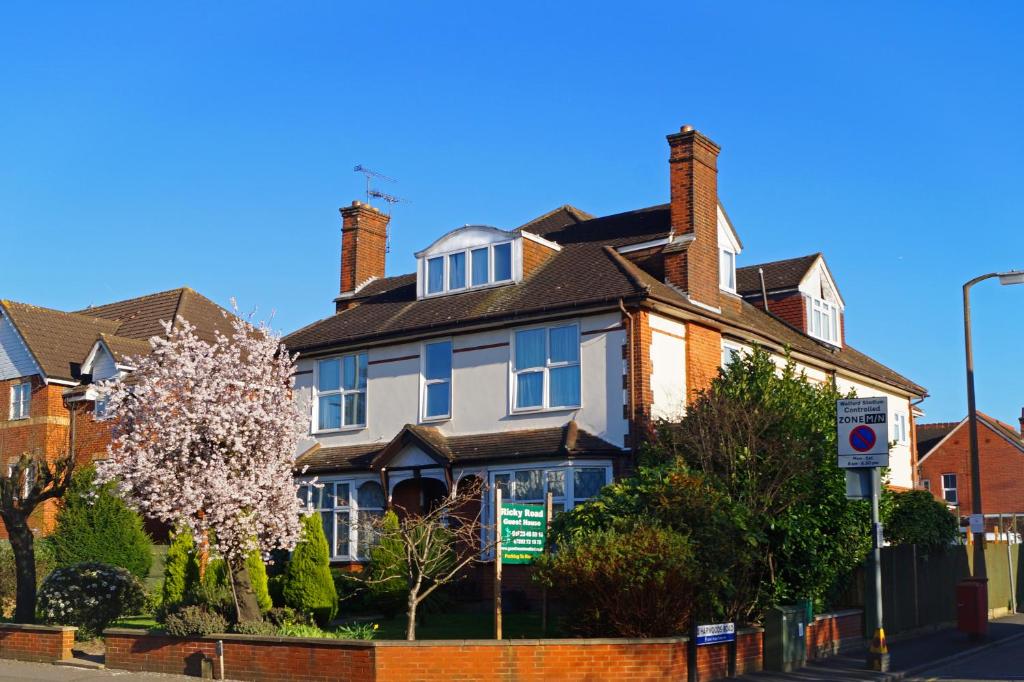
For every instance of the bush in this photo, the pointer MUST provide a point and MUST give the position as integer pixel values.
(95, 525)
(255, 627)
(45, 562)
(194, 621)
(181, 569)
(90, 595)
(284, 615)
(387, 558)
(258, 577)
(308, 585)
(917, 518)
(636, 582)
(275, 588)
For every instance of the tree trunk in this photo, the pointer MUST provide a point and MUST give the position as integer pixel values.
(410, 628)
(23, 545)
(245, 597)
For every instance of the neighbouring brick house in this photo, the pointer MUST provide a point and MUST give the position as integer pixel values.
(49, 360)
(944, 462)
(536, 358)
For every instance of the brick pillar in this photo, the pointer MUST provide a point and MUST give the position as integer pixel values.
(364, 240)
(638, 378)
(692, 266)
(703, 358)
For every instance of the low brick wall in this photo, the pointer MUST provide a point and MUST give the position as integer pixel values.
(832, 633)
(273, 659)
(41, 643)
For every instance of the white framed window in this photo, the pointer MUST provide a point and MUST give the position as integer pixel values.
(21, 400)
(900, 432)
(546, 368)
(436, 384)
(823, 320)
(949, 492)
(730, 352)
(727, 270)
(341, 392)
(99, 408)
(479, 266)
(347, 510)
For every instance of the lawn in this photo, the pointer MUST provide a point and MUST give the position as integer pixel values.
(141, 622)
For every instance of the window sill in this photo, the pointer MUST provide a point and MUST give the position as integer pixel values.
(543, 410)
(435, 420)
(344, 429)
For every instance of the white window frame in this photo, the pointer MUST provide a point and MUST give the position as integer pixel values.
(100, 409)
(467, 253)
(352, 507)
(730, 351)
(545, 405)
(341, 391)
(824, 309)
(901, 432)
(21, 400)
(424, 382)
(946, 490)
(727, 270)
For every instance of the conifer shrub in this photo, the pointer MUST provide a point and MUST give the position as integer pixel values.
(95, 525)
(387, 558)
(308, 585)
(181, 568)
(258, 577)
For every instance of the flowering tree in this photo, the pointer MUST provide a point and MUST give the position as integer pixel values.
(205, 439)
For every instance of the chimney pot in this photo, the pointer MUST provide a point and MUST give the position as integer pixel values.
(686, 128)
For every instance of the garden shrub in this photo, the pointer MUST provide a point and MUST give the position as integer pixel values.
(255, 627)
(194, 621)
(275, 588)
(917, 518)
(181, 569)
(95, 525)
(258, 577)
(639, 581)
(45, 562)
(387, 558)
(308, 585)
(284, 615)
(90, 595)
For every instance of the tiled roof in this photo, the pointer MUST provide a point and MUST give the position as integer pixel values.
(58, 341)
(929, 435)
(504, 445)
(780, 274)
(586, 272)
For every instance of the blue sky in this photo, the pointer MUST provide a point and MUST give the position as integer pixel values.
(145, 147)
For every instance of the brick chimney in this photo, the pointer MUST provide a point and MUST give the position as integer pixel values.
(364, 237)
(691, 261)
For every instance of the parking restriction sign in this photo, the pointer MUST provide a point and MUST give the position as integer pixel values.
(863, 432)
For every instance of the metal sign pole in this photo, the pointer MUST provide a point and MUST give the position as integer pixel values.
(497, 563)
(878, 653)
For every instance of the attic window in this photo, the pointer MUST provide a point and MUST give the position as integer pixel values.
(823, 320)
(727, 270)
(469, 268)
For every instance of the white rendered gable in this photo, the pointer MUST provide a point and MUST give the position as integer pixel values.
(15, 359)
(818, 283)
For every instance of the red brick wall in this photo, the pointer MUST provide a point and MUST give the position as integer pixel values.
(41, 643)
(831, 633)
(534, 256)
(693, 180)
(790, 307)
(1002, 470)
(363, 244)
(703, 357)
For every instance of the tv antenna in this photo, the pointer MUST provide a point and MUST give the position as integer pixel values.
(372, 193)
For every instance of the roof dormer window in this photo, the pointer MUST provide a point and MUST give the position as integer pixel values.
(468, 258)
(823, 320)
(727, 270)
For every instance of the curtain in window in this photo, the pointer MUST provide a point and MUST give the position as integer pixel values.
(587, 483)
(329, 375)
(479, 264)
(502, 262)
(530, 351)
(435, 275)
(565, 386)
(529, 485)
(530, 389)
(457, 270)
(565, 344)
(330, 412)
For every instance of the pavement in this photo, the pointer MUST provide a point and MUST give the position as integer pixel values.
(17, 671)
(945, 654)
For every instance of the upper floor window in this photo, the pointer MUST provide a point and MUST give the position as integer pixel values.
(21, 400)
(546, 368)
(341, 392)
(900, 433)
(823, 320)
(437, 380)
(727, 270)
(470, 267)
(949, 493)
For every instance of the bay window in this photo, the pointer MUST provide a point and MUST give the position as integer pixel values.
(823, 320)
(21, 400)
(546, 368)
(341, 392)
(437, 380)
(569, 486)
(349, 515)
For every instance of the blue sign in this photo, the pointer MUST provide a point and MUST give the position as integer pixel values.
(716, 633)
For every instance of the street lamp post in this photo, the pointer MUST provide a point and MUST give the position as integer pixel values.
(1005, 278)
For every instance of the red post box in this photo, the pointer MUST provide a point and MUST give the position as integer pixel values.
(972, 606)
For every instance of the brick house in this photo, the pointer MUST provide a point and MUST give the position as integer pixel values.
(535, 358)
(943, 453)
(49, 360)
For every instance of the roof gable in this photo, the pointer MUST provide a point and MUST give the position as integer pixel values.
(16, 359)
(780, 275)
(936, 435)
